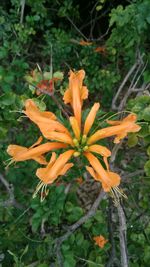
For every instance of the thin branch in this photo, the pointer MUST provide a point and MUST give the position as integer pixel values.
(131, 87)
(122, 219)
(10, 190)
(112, 259)
(22, 4)
(137, 65)
(75, 226)
(76, 28)
(122, 236)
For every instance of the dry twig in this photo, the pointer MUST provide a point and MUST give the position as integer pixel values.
(10, 190)
(75, 226)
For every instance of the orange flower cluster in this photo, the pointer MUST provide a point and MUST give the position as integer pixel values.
(100, 241)
(75, 143)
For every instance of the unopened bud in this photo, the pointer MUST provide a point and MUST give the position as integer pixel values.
(84, 138)
(75, 141)
(76, 154)
(85, 148)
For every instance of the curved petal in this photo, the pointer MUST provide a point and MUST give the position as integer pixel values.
(98, 167)
(92, 172)
(20, 153)
(75, 127)
(40, 139)
(45, 120)
(107, 178)
(50, 173)
(126, 126)
(61, 137)
(90, 118)
(102, 150)
(76, 93)
(60, 162)
(66, 168)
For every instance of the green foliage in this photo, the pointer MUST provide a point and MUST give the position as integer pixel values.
(48, 30)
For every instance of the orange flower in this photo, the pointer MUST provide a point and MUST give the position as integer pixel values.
(100, 241)
(80, 141)
(85, 43)
(76, 93)
(107, 178)
(54, 168)
(100, 49)
(120, 129)
(75, 127)
(90, 118)
(35, 152)
(45, 120)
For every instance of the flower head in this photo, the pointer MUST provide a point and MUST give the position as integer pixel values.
(100, 241)
(77, 139)
(54, 168)
(107, 178)
(35, 152)
(119, 128)
(76, 93)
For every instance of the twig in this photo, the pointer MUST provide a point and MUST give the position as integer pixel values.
(75, 226)
(138, 64)
(122, 236)
(22, 4)
(131, 87)
(76, 28)
(112, 258)
(122, 219)
(10, 189)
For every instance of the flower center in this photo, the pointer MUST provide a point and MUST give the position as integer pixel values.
(80, 145)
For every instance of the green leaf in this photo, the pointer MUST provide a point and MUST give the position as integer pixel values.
(147, 168)
(132, 140)
(79, 239)
(144, 130)
(146, 114)
(148, 151)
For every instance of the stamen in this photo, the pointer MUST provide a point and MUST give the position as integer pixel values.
(38, 187)
(44, 191)
(11, 161)
(116, 194)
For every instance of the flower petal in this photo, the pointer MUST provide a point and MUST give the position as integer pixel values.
(107, 178)
(61, 137)
(66, 168)
(40, 139)
(20, 153)
(90, 118)
(97, 167)
(76, 93)
(102, 150)
(49, 174)
(45, 120)
(125, 126)
(75, 127)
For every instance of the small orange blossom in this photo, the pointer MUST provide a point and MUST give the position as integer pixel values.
(100, 241)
